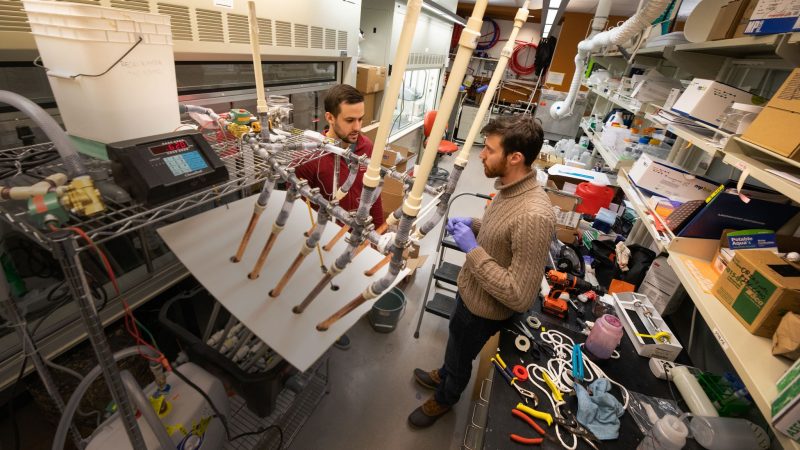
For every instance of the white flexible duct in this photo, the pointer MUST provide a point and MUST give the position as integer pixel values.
(598, 39)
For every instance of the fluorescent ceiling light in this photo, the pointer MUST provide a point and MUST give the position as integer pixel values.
(544, 35)
(547, 28)
(554, 4)
(550, 19)
(443, 13)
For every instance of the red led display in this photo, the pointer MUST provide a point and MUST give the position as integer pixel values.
(168, 147)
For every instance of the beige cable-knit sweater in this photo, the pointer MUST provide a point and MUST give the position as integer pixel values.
(503, 274)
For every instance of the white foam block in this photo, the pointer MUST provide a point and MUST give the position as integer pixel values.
(205, 243)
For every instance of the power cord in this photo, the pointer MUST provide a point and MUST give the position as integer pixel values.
(222, 418)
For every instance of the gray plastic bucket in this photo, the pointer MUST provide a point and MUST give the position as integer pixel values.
(386, 312)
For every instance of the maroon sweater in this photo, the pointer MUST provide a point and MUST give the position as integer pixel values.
(319, 174)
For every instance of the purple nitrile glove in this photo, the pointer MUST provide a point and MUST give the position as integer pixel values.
(451, 223)
(464, 237)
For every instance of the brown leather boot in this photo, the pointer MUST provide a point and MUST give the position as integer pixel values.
(427, 414)
(428, 380)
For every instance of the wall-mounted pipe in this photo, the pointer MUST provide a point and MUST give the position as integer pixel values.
(598, 39)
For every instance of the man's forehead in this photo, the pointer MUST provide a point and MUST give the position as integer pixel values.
(351, 110)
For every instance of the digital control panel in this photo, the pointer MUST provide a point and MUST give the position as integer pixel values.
(160, 168)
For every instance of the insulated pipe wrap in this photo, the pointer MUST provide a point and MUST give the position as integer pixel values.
(616, 36)
(286, 209)
(441, 208)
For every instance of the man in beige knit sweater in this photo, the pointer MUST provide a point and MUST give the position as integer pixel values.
(506, 253)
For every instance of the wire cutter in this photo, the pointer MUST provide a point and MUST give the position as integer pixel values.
(569, 423)
(501, 367)
(520, 411)
(567, 420)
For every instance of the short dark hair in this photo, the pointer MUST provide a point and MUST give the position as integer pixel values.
(341, 93)
(517, 134)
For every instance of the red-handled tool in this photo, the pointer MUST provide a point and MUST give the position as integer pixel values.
(534, 425)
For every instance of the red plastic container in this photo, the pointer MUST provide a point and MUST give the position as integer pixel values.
(594, 197)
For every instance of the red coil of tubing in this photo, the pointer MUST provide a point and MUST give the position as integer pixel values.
(514, 63)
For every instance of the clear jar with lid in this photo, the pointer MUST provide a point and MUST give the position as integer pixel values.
(281, 112)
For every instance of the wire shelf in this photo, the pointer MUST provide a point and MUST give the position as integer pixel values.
(245, 169)
(291, 411)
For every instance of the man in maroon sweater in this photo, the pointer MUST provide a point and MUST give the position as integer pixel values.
(344, 112)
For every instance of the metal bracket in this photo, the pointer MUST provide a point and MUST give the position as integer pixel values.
(701, 65)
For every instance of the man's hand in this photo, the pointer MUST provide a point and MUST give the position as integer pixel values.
(464, 237)
(451, 223)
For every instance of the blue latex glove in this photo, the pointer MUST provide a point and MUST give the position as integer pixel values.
(599, 412)
(451, 223)
(464, 237)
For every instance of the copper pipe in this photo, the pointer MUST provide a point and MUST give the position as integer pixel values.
(378, 266)
(308, 232)
(246, 238)
(346, 309)
(262, 258)
(313, 294)
(288, 275)
(336, 238)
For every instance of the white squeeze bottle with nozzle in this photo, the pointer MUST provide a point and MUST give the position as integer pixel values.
(668, 433)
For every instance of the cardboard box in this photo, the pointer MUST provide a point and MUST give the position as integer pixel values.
(727, 20)
(707, 100)
(395, 156)
(759, 287)
(567, 226)
(370, 79)
(786, 406)
(563, 200)
(744, 19)
(741, 240)
(660, 177)
(391, 196)
(774, 16)
(777, 127)
(369, 108)
(662, 287)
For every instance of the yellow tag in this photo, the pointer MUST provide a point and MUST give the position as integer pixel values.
(200, 428)
(178, 427)
(161, 406)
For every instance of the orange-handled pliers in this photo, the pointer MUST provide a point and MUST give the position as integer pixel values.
(526, 440)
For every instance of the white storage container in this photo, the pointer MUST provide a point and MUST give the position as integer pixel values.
(99, 98)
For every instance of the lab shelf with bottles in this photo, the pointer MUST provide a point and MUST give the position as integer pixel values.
(750, 355)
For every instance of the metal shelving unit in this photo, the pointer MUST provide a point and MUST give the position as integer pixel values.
(750, 355)
(245, 168)
(647, 216)
(610, 157)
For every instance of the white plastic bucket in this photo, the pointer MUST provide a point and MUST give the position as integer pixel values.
(137, 97)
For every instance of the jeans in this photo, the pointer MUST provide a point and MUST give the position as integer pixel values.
(468, 334)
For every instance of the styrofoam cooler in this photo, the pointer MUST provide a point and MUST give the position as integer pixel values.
(137, 97)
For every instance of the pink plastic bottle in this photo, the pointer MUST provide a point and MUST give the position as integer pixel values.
(594, 197)
(604, 337)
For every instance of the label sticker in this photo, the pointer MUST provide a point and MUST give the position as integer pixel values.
(720, 338)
